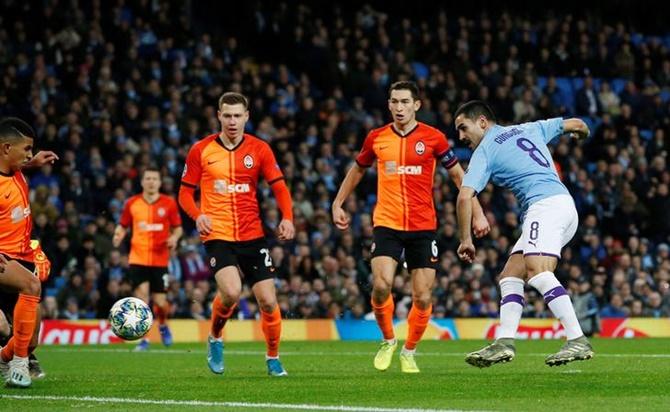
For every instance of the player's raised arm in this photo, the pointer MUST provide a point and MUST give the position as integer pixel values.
(576, 128)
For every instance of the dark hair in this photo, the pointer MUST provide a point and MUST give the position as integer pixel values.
(233, 98)
(12, 128)
(151, 169)
(406, 85)
(475, 108)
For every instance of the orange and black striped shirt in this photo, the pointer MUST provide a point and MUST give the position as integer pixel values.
(405, 171)
(15, 219)
(228, 179)
(151, 224)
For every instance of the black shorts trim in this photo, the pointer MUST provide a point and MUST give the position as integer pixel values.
(251, 257)
(418, 248)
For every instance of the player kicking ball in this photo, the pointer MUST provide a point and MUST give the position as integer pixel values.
(517, 157)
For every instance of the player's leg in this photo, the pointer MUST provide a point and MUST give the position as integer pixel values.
(422, 255)
(16, 277)
(161, 307)
(418, 317)
(36, 371)
(511, 308)
(551, 225)
(266, 296)
(229, 287)
(140, 280)
(386, 251)
(5, 333)
(256, 265)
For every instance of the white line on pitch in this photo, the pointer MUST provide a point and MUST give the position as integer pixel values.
(259, 405)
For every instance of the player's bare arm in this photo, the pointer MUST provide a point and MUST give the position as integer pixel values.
(466, 250)
(480, 224)
(351, 180)
(119, 235)
(577, 128)
(173, 240)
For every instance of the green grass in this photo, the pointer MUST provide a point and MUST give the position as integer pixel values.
(624, 375)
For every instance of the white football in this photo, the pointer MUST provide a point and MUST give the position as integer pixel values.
(130, 318)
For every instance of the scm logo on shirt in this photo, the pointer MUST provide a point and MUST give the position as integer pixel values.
(222, 187)
(391, 168)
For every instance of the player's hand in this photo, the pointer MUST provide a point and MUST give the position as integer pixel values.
(172, 243)
(116, 239)
(480, 225)
(204, 225)
(286, 230)
(466, 251)
(340, 218)
(43, 157)
(3, 262)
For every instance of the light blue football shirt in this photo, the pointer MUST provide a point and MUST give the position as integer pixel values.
(517, 158)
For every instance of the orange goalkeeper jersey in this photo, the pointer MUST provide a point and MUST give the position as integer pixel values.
(228, 179)
(151, 224)
(405, 171)
(15, 220)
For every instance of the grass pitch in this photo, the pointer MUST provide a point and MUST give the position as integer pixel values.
(624, 375)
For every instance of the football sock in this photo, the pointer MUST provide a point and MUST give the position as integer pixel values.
(417, 321)
(271, 325)
(25, 317)
(161, 312)
(384, 316)
(220, 315)
(511, 307)
(558, 301)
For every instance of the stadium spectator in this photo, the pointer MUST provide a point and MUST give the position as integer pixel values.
(114, 96)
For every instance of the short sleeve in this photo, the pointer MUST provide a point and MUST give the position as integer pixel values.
(193, 167)
(269, 166)
(478, 174)
(367, 154)
(551, 128)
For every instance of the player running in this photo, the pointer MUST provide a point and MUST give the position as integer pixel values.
(156, 228)
(517, 158)
(227, 166)
(404, 217)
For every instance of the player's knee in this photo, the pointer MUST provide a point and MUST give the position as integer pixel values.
(229, 296)
(380, 294)
(159, 299)
(536, 270)
(381, 286)
(267, 306)
(422, 300)
(31, 286)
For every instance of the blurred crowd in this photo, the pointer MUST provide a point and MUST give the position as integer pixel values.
(115, 87)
